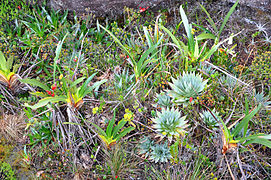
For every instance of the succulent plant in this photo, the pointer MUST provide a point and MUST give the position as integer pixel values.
(209, 119)
(261, 98)
(170, 123)
(124, 81)
(186, 88)
(163, 100)
(229, 82)
(207, 69)
(145, 146)
(160, 153)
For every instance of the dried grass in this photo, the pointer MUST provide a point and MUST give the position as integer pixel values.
(12, 127)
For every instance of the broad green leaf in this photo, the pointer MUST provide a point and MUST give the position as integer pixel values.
(187, 27)
(10, 63)
(148, 37)
(262, 141)
(84, 87)
(35, 82)
(118, 127)
(77, 81)
(225, 129)
(107, 140)
(210, 52)
(147, 53)
(109, 129)
(100, 130)
(255, 136)
(3, 62)
(124, 132)
(45, 101)
(227, 18)
(96, 85)
(40, 94)
(245, 121)
(174, 39)
(209, 17)
(118, 41)
(196, 52)
(58, 50)
(204, 36)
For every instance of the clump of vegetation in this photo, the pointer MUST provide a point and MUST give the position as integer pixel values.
(186, 88)
(169, 123)
(261, 68)
(6, 172)
(211, 119)
(160, 153)
(145, 97)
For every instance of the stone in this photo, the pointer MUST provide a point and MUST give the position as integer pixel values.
(103, 8)
(264, 5)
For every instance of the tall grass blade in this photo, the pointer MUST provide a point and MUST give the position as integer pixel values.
(227, 18)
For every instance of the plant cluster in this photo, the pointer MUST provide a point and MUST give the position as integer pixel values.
(135, 98)
(261, 68)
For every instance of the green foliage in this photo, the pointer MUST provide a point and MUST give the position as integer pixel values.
(120, 163)
(40, 130)
(230, 137)
(140, 66)
(185, 87)
(123, 82)
(193, 51)
(260, 98)
(72, 95)
(163, 100)
(113, 132)
(7, 77)
(69, 63)
(229, 82)
(210, 20)
(6, 172)
(160, 153)
(170, 123)
(209, 119)
(261, 68)
(145, 146)
(8, 14)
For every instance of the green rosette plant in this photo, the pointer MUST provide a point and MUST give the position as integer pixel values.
(160, 153)
(209, 119)
(170, 123)
(186, 88)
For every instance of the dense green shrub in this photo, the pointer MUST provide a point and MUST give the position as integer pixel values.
(6, 172)
(261, 68)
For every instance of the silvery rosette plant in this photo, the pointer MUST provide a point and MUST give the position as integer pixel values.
(170, 123)
(209, 119)
(186, 88)
(145, 146)
(264, 100)
(160, 153)
(163, 100)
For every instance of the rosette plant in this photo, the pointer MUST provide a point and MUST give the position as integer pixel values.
(114, 132)
(7, 77)
(209, 119)
(186, 88)
(69, 93)
(170, 123)
(163, 100)
(145, 146)
(160, 153)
